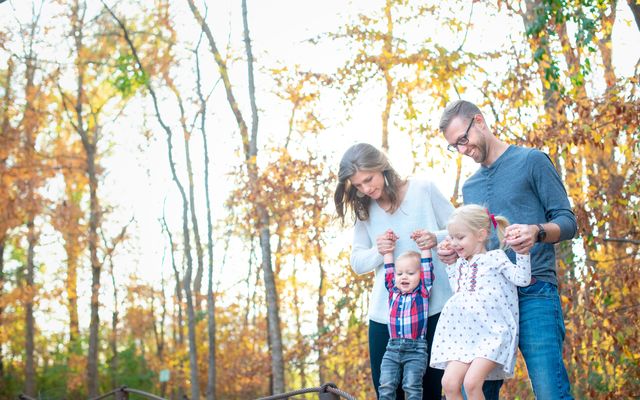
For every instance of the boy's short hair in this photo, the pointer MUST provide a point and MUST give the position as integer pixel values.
(413, 255)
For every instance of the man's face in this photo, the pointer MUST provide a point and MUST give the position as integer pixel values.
(466, 136)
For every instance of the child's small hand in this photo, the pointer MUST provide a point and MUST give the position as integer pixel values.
(424, 239)
(446, 253)
(386, 242)
(391, 235)
(445, 244)
(520, 237)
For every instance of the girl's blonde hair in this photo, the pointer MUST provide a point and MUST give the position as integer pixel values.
(476, 217)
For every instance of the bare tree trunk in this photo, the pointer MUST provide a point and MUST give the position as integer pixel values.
(456, 187)
(66, 220)
(94, 325)
(250, 297)
(30, 371)
(197, 285)
(72, 296)
(179, 338)
(89, 144)
(211, 300)
(604, 45)
(388, 49)
(273, 314)
(551, 97)
(320, 321)
(193, 358)
(29, 125)
(113, 340)
(160, 342)
(178, 289)
(386, 113)
(6, 100)
(250, 147)
(301, 353)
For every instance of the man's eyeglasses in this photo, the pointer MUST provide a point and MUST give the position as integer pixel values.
(462, 140)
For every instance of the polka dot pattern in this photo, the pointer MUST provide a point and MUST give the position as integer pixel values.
(481, 318)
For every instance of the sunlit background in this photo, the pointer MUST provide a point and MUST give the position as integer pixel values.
(446, 50)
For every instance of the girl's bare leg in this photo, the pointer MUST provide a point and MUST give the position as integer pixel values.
(452, 379)
(474, 378)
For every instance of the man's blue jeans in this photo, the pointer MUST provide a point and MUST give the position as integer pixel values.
(406, 358)
(541, 337)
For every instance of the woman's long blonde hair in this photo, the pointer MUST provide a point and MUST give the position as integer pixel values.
(364, 157)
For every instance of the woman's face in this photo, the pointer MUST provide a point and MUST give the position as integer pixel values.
(370, 183)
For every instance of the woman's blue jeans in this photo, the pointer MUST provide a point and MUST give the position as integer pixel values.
(406, 358)
(541, 336)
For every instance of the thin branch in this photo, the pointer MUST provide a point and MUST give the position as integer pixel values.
(617, 240)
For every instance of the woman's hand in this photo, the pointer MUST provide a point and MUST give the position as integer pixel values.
(424, 239)
(386, 242)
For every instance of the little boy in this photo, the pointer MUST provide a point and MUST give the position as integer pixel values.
(409, 283)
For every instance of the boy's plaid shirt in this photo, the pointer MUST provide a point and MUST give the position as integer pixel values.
(408, 312)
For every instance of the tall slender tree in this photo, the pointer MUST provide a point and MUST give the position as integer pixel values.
(249, 144)
(211, 303)
(188, 276)
(30, 127)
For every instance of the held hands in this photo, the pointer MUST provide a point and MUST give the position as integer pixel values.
(520, 237)
(386, 242)
(424, 239)
(446, 253)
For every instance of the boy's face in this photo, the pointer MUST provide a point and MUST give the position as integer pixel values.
(407, 274)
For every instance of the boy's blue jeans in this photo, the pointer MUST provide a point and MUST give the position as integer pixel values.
(541, 337)
(406, 358)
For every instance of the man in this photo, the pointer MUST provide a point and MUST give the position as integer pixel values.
(521, 184)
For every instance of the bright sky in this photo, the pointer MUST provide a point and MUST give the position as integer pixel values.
(138, 183)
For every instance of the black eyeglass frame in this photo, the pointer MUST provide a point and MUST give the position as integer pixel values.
(463, 140)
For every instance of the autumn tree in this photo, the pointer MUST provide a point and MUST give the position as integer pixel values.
(262, 221)
(31, 165)
(148, 71)
(591, 134)
(383, 54)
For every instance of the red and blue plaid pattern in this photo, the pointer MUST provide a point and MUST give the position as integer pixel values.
(408, 312)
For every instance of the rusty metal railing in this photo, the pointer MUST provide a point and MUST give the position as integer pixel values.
(327, 391)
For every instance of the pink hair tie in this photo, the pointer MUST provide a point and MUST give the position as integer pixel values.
(493, 219)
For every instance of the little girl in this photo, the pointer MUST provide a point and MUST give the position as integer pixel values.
(477, 335)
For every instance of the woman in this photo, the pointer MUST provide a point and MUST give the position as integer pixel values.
(379, 199)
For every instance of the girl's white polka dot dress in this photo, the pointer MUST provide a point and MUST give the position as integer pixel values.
(481, 318)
